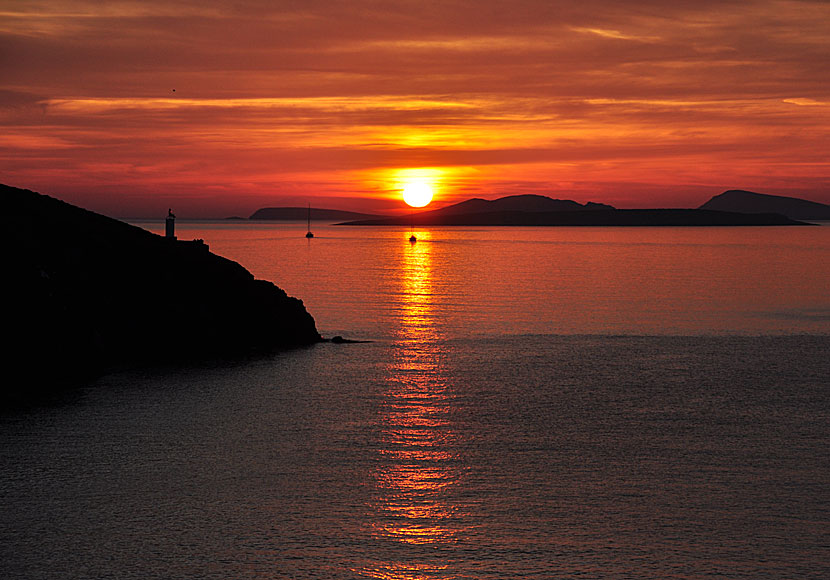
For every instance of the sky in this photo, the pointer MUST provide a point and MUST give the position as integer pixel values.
(219, 108)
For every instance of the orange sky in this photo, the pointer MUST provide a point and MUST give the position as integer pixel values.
(631, 103)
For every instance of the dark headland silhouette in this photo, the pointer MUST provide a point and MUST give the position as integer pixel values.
(738, 200)
(89, 293)
(537, 210)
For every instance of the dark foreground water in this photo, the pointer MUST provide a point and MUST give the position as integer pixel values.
(513, 457)
(537, 403)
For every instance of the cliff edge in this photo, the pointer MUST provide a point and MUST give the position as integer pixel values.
(87, 292)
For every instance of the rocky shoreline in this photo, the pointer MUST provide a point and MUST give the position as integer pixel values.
(88, 292)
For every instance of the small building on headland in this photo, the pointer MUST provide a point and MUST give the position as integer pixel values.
(170, 225)
(170, 234)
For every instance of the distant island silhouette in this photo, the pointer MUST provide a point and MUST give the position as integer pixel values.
(301, 214)
(523, 202)
(731, 208)
(536, 210)
(738, 200)
(88, 292)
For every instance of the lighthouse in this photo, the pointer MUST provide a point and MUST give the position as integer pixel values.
(170, 225)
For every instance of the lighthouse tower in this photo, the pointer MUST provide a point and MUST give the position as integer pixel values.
(170, 225)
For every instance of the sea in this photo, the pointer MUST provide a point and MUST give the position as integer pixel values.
(535, 403)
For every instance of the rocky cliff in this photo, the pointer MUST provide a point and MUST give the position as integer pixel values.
(86, 292)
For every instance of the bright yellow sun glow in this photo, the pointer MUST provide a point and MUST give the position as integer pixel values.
(417, 193)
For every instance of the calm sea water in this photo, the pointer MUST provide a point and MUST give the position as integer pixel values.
(366, 282)
(536, 403)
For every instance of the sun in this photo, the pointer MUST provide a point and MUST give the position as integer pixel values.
(417, 193)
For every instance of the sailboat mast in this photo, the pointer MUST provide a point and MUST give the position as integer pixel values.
(412, 237)
(308, 233)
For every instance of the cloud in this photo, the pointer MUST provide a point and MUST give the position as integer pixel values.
(806, 102)
(616, 34)
(323, 93)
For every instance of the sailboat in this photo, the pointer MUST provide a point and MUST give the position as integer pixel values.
(412, 238)
(308, 233)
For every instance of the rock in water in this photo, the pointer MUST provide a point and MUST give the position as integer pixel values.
(86, 292)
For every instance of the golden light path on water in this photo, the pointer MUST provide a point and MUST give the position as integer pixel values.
(417, 465)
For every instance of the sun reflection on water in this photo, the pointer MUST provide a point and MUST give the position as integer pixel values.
(419, 465)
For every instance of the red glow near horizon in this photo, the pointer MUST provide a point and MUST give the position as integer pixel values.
(626, 105)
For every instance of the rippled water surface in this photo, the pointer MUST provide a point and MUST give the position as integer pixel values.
(605, 403)
(501, 281)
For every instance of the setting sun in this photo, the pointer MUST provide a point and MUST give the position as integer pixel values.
(417, 194)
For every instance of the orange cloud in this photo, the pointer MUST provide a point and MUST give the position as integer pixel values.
(635, 104)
